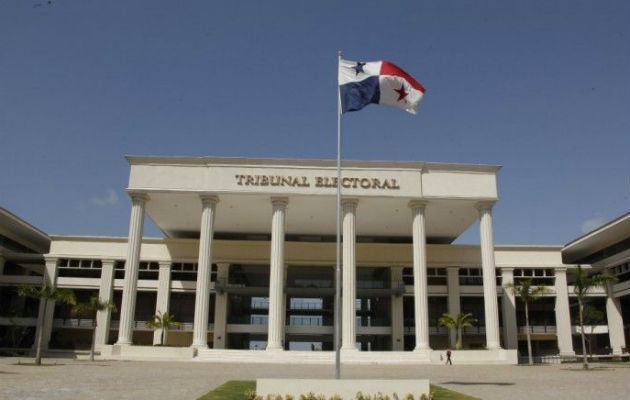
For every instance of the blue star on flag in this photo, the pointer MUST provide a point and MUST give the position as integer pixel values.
(359, 68)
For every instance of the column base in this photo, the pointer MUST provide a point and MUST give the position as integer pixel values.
(349, 349)
(123, 343)
(567, 354)
(274, 348)
(199, 346)
(616, 351)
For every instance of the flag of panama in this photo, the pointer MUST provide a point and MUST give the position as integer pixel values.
(379, 82)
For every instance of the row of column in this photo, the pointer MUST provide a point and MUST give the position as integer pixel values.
(277, 268)
(510, 330)
(277, 277)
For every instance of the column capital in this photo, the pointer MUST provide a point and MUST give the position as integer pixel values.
(165, 264)
(51, 259)
(561, 269)
(137, 195)
(280, 202)
(485, 205)
(208, 199)
(452, 269)
(418, 204)
(108, 261)
(223, 264)
(349, 202)
(507, 269)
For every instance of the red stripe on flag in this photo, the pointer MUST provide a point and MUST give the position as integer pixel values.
(388, 68)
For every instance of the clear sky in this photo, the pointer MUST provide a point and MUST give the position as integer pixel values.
(539, 87)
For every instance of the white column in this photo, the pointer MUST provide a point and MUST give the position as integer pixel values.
(563, 315)
(204, 270)
(128, 304)
(283, 324)
(221, 309)
(105, 294)
(510, 329)
(615, 321)
(276, 274)
(50, 275)
(163, 298)
(349, 271)
(398, 317)
(491, 307)
(420, 290)
(454, 304)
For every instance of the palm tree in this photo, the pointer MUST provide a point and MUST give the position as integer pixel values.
(164, 322)
(583, 284)
(592, 317)
(47, 293)
(528, 294)
(462, 320)
(91, 308)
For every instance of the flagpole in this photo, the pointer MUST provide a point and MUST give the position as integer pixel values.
(338, 248)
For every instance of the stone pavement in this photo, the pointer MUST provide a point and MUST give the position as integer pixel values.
(189, 380)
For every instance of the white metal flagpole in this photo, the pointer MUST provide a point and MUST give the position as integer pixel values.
(338, 249)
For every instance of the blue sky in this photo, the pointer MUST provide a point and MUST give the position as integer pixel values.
(541, 88)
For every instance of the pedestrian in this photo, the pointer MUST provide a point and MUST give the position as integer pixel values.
(448, 357)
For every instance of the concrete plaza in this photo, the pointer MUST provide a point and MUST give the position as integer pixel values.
(75, 379)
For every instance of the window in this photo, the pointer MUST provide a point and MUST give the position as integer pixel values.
(470, 277)
(80, 268)
(436, 276)
(538, 276)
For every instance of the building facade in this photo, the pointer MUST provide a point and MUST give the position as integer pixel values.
(248, 256)
(607, 250)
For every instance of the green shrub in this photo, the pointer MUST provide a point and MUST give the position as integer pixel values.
(308, 396)
(251, 395)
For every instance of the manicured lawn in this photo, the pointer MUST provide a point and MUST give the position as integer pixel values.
(230, 390)
(235, 390)
(445, 394)
(32, 364)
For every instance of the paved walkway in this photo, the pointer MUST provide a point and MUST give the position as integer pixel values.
(189, 380)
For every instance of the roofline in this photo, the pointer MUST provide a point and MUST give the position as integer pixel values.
(90, 238)
(24, 223)
(184, 160)
(594, 232)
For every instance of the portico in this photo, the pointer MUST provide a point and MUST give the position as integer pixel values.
(293, 200)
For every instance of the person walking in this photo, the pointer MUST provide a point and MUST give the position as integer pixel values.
(448, 357)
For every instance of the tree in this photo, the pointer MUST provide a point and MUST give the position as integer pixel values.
(91, 308)
(462, 320)
(164, 322)
(592, 317)
(47, 293)
(15, 332)
(584, 282)
(528, 294)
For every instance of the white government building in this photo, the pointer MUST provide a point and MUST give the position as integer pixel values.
(248, 258)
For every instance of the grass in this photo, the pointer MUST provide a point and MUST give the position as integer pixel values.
(445, 394)
(32, 364)
(230, 390)
(235, 390)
